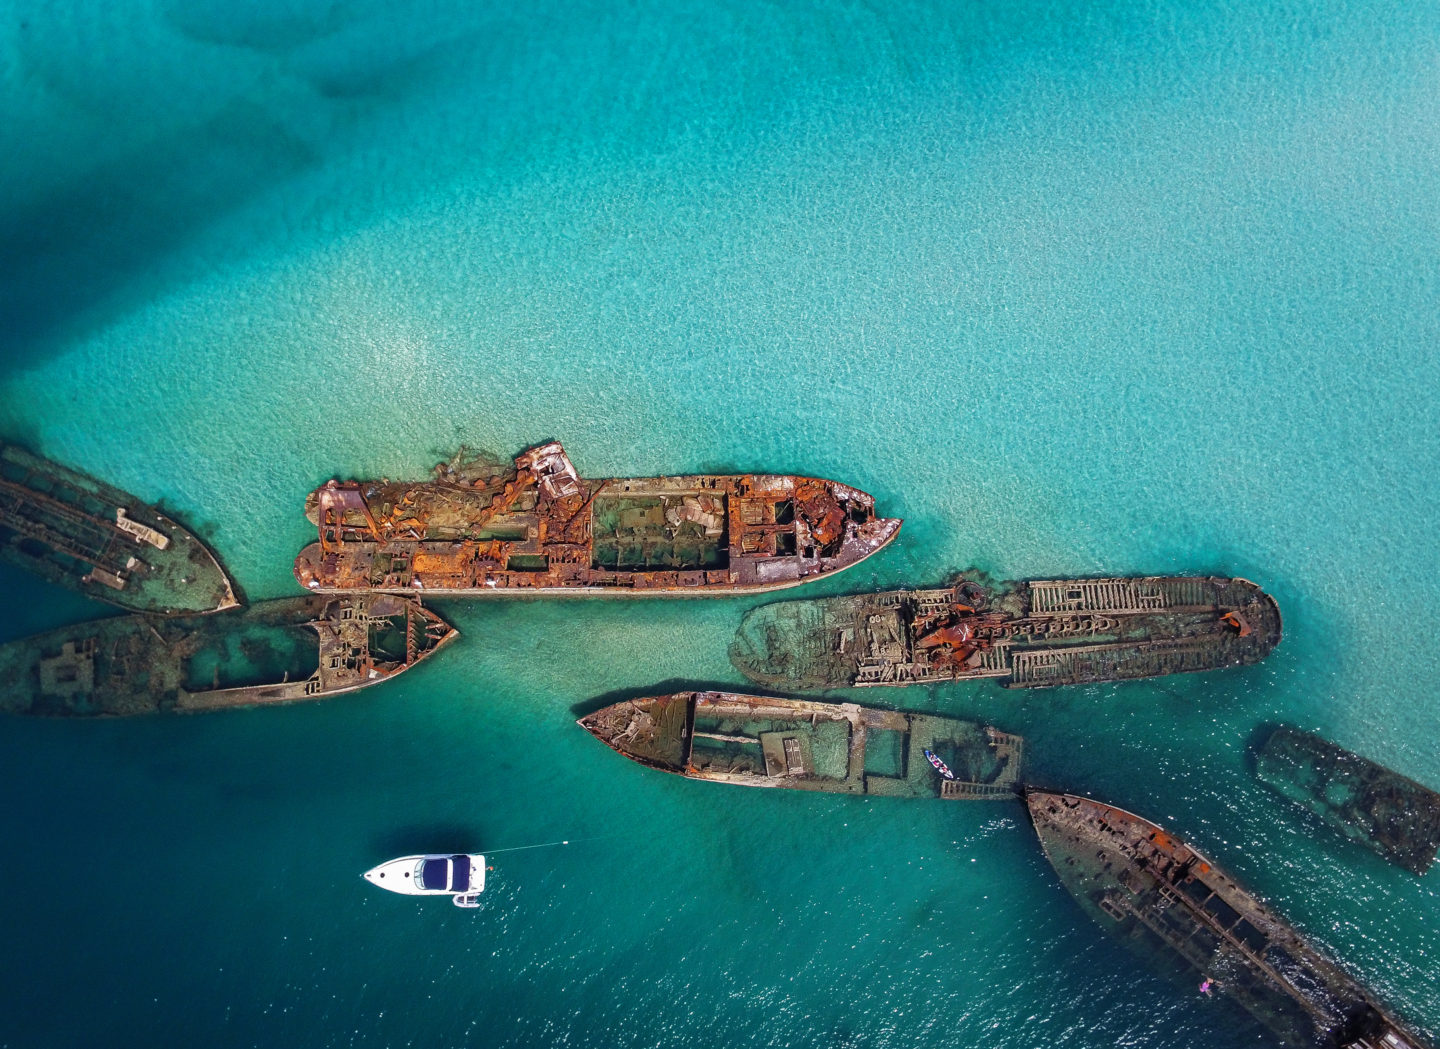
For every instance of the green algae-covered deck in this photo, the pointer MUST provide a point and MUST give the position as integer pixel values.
(74, 531)
(1364, 801)
(839, 747)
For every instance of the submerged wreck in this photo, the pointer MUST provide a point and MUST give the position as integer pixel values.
(1366, 802)
(1178, 910)
(541, 528)
(1025, 635)
(272, 652)
(759, 741)
(76, 532)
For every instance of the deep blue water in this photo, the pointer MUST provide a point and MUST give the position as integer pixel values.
(1140, 288)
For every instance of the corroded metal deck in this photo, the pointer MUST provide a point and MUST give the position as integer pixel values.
(541, 528)
(843, 748)
(1177, 909)
(79, 533)
(1025, 635)
(272, 652)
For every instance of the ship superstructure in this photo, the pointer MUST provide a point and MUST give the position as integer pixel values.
(271, 652)
(1177, 909)
(1366, 802)
(1024, 635)
(763, 741)
(79, 533)
(541, 528)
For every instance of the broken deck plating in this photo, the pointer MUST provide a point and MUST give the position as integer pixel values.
(763, 741)
(76, 532)
(1364, 801)
(272, 652)
(1173, 906)
(1026, 635)
(540, 528)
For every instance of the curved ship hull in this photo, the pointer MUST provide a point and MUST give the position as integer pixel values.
(1366, 802)
(78, 533)
(1176, 908)
(541, 529)
(760, 741)
(1024, 635)
(272, 652)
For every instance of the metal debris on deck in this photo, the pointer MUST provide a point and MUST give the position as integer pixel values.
(541, 528)
(842, 747)
(271, 652)
(1025, 635)
(1366, 802)
(1178, 910)
(74, 531)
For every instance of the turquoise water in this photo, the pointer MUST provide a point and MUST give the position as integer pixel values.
(1075, 290)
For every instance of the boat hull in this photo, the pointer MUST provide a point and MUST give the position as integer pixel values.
(1365, 802)
(272, 652)
(407, 875)
(1035, 634)
(761, 741)
(78, 533)
(540, 529)
(1186, 916)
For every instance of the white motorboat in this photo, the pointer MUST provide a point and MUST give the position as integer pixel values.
(460, 876)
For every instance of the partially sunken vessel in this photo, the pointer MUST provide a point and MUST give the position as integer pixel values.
(1024, 635)
(271, 652)
(1366, 802)
(1178, 910)
(541, 528)
(79, 533)
(760, 741)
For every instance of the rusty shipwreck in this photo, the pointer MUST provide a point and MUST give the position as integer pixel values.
(1024, 635)
(74, 531)
(1366, 802)
(541, 528)
(1180, 912)
(761, 741)
(271, 652)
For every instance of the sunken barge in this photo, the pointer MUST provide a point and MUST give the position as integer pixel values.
(74, 531)
(1365, 802)
(759, 741)
(1024, 635)
(1178, 910)
(540, 528)
(271, 652)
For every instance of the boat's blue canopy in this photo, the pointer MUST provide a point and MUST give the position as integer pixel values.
(446, 873)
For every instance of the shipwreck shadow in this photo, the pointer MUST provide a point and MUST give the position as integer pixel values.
(77, 254)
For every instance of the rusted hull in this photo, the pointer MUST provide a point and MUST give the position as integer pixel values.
(1366, 802)
(272, 652)
(761, 741)
(78, 533)
(540, 529)
(1024, 635)
(1175, 908)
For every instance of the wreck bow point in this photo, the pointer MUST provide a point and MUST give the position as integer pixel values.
(541, 528)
